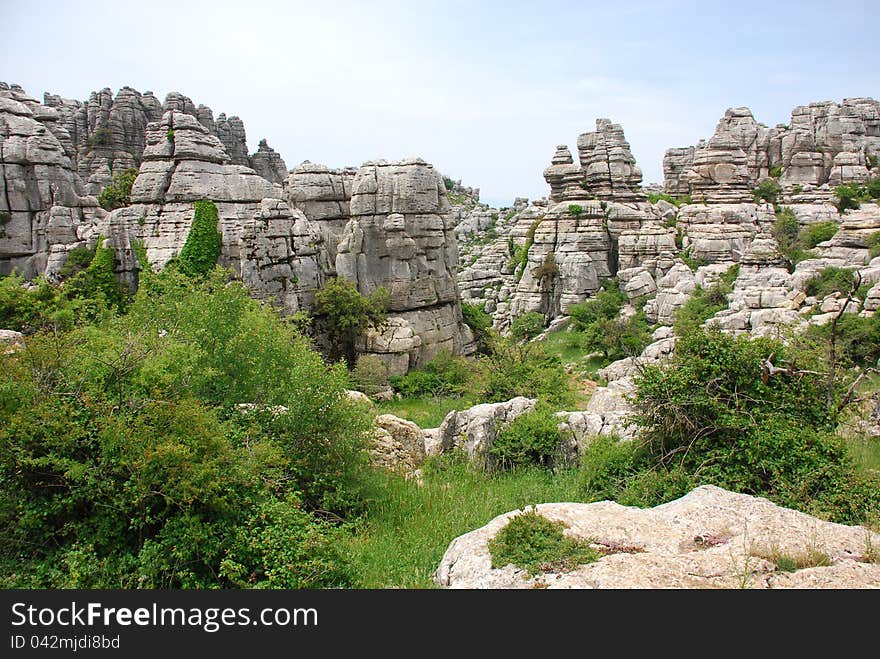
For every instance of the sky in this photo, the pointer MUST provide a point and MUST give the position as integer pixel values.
(482, 90)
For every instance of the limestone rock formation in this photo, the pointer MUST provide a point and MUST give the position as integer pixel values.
(610, 170)
(710, 538)
(233, 137)
(44, 209)
(324, 196)
(267, 162)
(473, 430)
(399, 238)
(399, 445)
(825, 144)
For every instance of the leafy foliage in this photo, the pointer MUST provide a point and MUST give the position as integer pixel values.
(126, 460)
(370, 375)
(480, 323)
(715, 415)
(678, 202)
(527, 326)
(705, 303)
(344, 314)
(118, 192)
(830, 280)
(444, 375)
(768, 191)
(604, 330)
(537, 544)
(531, 438)
(524, 370)
(203, 244)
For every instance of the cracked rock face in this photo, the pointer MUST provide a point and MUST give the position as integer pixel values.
(324, 195)
(267, 162)
(825, 144)
(399, 238)
(44, 209)
(710, 538)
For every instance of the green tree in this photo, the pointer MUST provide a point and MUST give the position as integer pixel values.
(118, 192)
(344, 314)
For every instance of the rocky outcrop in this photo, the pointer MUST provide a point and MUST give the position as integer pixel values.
(607, 413)
(398, 445)
(399, 239)
(324, 196)
(184, 163)
(610, 170)
(826, 144)
(44, 209)
(676, 162)
(474, 430)
(710, 538)
(267, 162)
(233, 137)
(11, 342)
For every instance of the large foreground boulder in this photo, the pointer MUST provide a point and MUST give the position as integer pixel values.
(710, 538)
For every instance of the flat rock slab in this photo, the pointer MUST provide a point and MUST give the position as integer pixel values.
(710, 538)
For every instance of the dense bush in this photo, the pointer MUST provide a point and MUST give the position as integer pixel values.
(370, 375)
(127, 461)
(200, 252)
(715, 415)
(830, 280)
(536, 544)
(524, 370)
(818, 232)
(604, 306)
(527, 326)
(444, 375)
(344, 314)
(768, 191)
(678, 202)
(118, 192)
(531, 438)
(857, 339)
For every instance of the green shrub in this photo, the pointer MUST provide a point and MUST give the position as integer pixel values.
(575, 210)
(444, 375)
(705, 303)
(480, 323)
(101, 137)
(797, 189)
(768, 191)
(857, 340)
(850, 196)
(344, 314)
(536, 544)
(830, 280)
(678, 202)
(813, 234)
(604, 306)
(527, 326)
(170, 135)
(872, 187)
(370, 375)
(448, 183)
(203, 244)
(531, 438)
(521, 257)
(78, 259)
(118, 193)
(524, 370)
(126, 460)
(776, 171)
(715, 413)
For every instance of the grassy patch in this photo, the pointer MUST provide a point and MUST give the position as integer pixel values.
(408, 527)
(426, 412)
(785, 562)
(537, 544)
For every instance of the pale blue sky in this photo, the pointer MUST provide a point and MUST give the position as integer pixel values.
(484, 90)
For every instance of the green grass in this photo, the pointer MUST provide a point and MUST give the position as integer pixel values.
(427, 412)
(569, 347)
(408, 527)
(866, 452)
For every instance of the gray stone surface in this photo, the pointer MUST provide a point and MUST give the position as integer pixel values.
(710, 538)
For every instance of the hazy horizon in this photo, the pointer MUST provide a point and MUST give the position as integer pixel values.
(484, 92)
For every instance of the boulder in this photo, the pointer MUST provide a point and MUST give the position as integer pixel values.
(710, 538)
